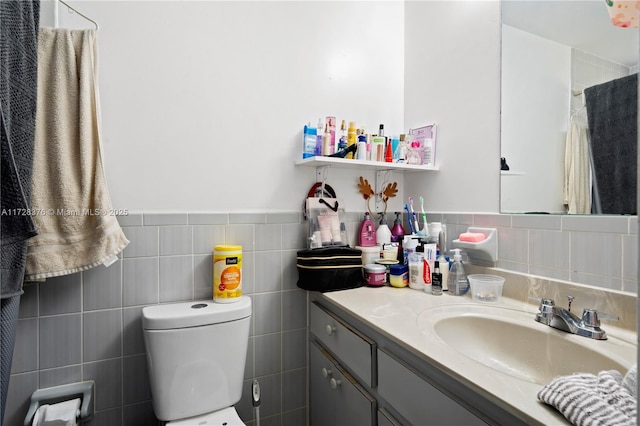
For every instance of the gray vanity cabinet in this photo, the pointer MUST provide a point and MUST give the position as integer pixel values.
(414, 397)
(336, 399)
(358, 377)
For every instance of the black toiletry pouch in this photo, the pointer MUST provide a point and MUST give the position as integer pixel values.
(329, 268)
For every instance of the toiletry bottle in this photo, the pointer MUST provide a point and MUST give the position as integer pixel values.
(397, 233)
(444, 263)
(343, 234)
(315, 239)
(458, 283)
(388, 155)
(319, 134)
(383, 233)
(309, 141)
(402, 151)
(428, 152)
(436, 280)
(416, 271)
(351, 137)
(342, 142)
(395, 143)
(409, 246)
(331, 124)
(326, 141)
(361, 153)
(367, 232)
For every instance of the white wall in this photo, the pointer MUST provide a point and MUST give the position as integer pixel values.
(204, 102)
(452, 76)
(534, 120)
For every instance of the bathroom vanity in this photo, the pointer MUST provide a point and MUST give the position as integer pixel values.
(389, 356)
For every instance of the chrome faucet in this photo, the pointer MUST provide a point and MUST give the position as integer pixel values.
(563, 319)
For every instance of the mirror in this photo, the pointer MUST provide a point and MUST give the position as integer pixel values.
(551, 52)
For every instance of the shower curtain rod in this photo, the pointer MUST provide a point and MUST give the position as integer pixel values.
(81, 14)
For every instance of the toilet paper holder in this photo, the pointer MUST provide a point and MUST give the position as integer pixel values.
(82, 390)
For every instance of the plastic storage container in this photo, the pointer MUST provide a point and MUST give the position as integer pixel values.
(375, 275)
(486, 288)
(399, 275)
(369, 254)
(227, 273)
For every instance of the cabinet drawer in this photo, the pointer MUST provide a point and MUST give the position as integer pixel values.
(356, 352)
(418, 400)
(336, 399)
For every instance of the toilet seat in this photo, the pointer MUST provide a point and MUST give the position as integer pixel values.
(227, 416)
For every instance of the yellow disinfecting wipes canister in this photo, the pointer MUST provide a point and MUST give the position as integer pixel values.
(227, 273)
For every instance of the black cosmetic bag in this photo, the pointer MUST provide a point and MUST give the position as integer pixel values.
(329, 268)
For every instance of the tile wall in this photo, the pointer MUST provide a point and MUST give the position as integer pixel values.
(601, 251)
(588, 70)
(87, 326)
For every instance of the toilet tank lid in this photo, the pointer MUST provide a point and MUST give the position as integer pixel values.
(193, 314)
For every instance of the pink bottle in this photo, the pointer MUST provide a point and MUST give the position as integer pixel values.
(367, 232)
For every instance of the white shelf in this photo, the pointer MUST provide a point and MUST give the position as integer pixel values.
(511, 173)
(348, 163)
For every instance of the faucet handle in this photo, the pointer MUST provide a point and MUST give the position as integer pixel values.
(546, 306)
(591, 317)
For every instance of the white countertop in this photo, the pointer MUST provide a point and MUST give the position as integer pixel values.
(396, 313)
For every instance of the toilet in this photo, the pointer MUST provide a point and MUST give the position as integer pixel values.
(196, 353)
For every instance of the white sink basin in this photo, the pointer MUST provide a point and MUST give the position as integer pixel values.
(513, 343)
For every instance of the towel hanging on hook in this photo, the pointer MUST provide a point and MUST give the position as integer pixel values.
(80, 13)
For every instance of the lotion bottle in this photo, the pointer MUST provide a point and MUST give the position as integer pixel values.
(367, 232)
(383, 233)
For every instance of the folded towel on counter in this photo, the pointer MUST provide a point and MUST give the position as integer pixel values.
(593, 400)
(77, 229)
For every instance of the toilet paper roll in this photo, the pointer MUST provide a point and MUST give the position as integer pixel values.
(61, 414)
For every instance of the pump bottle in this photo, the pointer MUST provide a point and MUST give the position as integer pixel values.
(397, 233)
(458, 283)
(383, 233)
(367, 232)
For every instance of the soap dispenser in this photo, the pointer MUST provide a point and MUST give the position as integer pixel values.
(397, 233)
(383, 233)
(367, 232)
(458, 283)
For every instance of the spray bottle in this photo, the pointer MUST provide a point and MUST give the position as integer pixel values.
(458, 283)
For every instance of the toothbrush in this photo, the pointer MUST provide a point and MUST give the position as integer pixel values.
(406, 207)
(424, 218)
(414, 215)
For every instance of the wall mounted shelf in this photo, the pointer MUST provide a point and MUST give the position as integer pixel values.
(356, 164)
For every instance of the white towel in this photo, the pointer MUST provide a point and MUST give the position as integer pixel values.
(592, 400)
(577, 172)
(70, 200)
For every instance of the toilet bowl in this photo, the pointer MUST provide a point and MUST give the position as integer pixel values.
(196, 354)
(226, 416)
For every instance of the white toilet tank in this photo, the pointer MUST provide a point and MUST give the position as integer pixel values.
(196, 352)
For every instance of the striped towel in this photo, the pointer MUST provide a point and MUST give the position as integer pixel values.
(593, 400)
